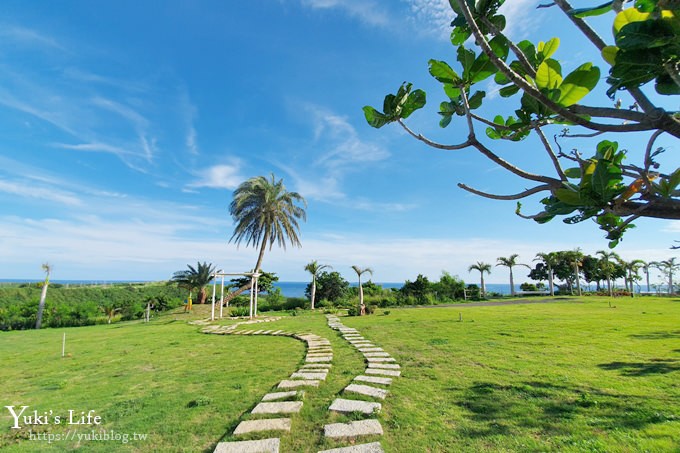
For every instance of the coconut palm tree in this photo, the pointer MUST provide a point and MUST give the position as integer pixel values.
(359, 272)
(668, 267)
(43, 294)
(575, 259)
(510, 262)
(481, 267)
(110, 310)
(314, 268)
(265, 213)
(608, 266)
(195, 278)
(550, 260)
(645, 267)
(632, 268)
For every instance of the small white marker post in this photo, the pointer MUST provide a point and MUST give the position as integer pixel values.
(63, 345)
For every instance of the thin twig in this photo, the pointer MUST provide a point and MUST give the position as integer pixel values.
(429, 142)
(551, 153)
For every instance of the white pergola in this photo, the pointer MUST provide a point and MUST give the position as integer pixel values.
(253, 291)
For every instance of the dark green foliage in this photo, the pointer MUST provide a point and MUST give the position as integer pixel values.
(609, 191)
(80, 306)
(329, 286)
(265, 282)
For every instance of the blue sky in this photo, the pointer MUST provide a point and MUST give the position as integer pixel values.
(126, 125)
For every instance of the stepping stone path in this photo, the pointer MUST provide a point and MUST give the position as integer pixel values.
(311, 374)
(379, 365)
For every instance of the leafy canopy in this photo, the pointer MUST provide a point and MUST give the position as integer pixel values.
(602, 187)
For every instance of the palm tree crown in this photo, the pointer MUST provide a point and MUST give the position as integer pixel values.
(265, 212)
(195, 278)
(314, 268)
(510, 262)
(360, 272)
(550, 260)
(608, 266)
(482, 268)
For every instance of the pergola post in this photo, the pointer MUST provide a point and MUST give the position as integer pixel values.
(222, 297)
(252, 282)
(212, 312)
(256, 276)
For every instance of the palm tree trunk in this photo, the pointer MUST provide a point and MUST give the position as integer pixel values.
(550, 281)
(483, 287)
(647, 272)
(41, 305)
(258, 265)
(578, 281)
(609, 286)
(361, 296)
(512, 283)
(313, 290)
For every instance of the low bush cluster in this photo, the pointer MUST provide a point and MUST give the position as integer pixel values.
(83, 305)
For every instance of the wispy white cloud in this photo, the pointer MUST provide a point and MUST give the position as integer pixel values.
(433, 16)
(27, 189)
(341, 151)
(672, 227)
(28, 37)
(343, 145)
(436, 15)
(219, 177)
(367, 11)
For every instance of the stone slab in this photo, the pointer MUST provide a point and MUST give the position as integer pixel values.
(376, 354)
(380, 359)
(328, 358)
(249, 446)
(288, 384)
(353, 429)
(316, 366)
(344, 405)
(373, 447)
(281, 407)
(383, 372)
(281, 395)
(267, 424)
(371, 349)
(374, 380)
(391, 366)
(367, 390)
(309, 375)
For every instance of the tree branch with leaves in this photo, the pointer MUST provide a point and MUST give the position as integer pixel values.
(645, 49)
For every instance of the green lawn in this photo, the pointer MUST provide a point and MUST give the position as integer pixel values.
(565, 376)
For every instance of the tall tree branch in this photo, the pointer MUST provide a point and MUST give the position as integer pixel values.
(517, 196)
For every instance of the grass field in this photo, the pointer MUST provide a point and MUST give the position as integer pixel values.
(564, 376)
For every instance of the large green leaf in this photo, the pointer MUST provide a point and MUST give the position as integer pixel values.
(414, 101)
(482, 67)
(549, 74)
(375, 118)
(627, 16)
(475, 100)
(568, 196)
(644, 35)
(578, 83)
(594, 11)
(441, 71)
(546, 49)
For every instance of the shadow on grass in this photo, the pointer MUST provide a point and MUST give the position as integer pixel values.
(654, 366)
(550, 408)
(657, 335)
